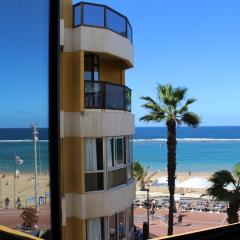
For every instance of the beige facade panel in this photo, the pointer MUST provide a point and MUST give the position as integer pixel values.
(101, 40)
(97, 123)
(67, 40)
(102, 203)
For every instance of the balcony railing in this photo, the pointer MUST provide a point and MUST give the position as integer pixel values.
(106, 95)
(96, 15)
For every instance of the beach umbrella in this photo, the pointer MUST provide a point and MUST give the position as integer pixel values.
(195, 182)
(163, 182)
(230, 187)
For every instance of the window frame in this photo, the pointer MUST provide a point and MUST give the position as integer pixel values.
(54, 119)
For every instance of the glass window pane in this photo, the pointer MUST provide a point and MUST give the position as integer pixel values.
(116, 177)
(121, 225)
(110, 153)
(88, 68)
(93, 181)
(99, 145)
(93, 15)
(114, 96)
(96, 73)
(129, 32)
(128, 99)
(112, 225)
(130, 172)
(24, 122)
(119, 151)
(116, 22)
(93, 95)
(77, 15)
(95, 228)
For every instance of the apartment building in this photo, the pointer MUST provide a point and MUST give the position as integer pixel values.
(96, 123)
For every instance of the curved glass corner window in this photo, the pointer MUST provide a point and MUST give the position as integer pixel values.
(93, 15)
(77, 11)
(116, 22)
(129, 32)
(116, 177)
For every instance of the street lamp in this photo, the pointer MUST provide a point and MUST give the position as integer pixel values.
(146, 232)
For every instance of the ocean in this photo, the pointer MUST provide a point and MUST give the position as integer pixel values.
(204, 149)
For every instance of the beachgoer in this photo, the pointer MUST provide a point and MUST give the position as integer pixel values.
(7, 201)
(180, 219)
(18, 202)
(189, 173)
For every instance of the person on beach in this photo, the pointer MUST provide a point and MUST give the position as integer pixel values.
(18, 202)
(7, 201)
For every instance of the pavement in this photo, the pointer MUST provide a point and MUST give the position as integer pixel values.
(192, 221)
(11, 217)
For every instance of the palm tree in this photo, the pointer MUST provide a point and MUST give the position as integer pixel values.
(226, 187)
(169, 109)
(142, 175)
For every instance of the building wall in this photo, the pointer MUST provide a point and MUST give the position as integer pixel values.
(77, 123)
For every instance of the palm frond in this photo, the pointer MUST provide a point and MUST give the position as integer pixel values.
(184, 108)
(153, 117)
(179, 93)
(223, 177)
(237, 170)
(220, 180)
(191, 119)
(151, 104)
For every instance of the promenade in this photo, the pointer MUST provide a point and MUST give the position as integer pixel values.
(11, 217)
(192, 221)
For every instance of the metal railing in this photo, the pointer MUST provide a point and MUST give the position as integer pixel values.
(106, 95)
(97, 15)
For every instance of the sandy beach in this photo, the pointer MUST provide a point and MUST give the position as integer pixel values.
(181, 176)
(24, 187)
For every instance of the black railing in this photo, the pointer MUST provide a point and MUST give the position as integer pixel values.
(106, 95)
(97, 15)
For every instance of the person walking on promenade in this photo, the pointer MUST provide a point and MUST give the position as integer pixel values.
(7, 201)
(180, 217)
(18, 202)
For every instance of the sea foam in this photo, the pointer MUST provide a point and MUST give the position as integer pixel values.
(189, 140)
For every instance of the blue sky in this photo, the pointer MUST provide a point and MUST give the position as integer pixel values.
(24, 63)
(188, 43)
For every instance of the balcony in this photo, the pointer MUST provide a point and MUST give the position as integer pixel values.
(101, 16)
(106, 95)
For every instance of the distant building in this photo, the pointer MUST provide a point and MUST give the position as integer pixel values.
(96, 123)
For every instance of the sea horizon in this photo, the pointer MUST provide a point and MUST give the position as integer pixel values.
(203, 149)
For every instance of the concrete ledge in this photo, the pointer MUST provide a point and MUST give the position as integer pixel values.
(100, 40)
(97, 123)
(102, 203)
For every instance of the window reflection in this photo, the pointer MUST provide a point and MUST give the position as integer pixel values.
(116, 22)
(24, 146)
(77, 15)
(93, 15)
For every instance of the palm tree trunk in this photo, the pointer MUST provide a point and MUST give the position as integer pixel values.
(232, 211)
(171, 145)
